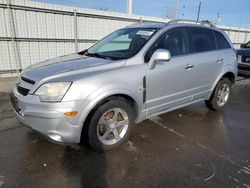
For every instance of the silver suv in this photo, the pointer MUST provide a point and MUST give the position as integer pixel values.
(132, 74)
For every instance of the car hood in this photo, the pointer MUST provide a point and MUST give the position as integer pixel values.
(243, 51)
(64, 64)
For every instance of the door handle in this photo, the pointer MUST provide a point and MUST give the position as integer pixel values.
(220, 60)
(189, 66)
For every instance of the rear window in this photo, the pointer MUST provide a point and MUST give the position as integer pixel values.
(202, 40)
(221, 41)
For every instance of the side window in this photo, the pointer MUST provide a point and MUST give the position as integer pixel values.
(248, 45)
(175, 41)
(202, 39)
(221, 41)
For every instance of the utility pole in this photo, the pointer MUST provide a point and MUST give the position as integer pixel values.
(129, 7)
(176, 9)
(198, 14)
(218, 19)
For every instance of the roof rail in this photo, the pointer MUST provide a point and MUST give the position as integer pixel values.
(203, 22)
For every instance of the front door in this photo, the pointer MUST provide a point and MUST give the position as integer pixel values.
(169, 84)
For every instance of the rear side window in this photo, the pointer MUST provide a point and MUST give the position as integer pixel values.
(221, 41)
(202, 39)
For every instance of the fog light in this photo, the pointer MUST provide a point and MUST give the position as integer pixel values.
(55, 137)
(73, 113)
(21, 113)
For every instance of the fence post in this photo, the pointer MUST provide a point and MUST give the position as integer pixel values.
(229, 33)
(245, 39)
(238, 38)
(13, 37)
(140, 20)
(75, 31)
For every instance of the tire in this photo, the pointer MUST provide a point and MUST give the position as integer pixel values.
(216, 102)
(111, 124)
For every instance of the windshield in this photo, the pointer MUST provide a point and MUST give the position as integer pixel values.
(121, 44)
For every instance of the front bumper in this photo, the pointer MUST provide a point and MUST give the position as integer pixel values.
(244, 69)
(48, 118)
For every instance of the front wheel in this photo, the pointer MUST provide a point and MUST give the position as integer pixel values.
(111, 124)
(220, 96)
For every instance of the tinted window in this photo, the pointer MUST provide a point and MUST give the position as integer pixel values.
(202, 40)
(175, 41)
(248, 45)
(221, 41)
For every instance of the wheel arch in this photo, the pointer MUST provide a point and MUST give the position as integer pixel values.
(102, 99)
(228, 74)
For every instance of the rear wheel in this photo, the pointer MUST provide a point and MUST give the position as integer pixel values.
(220, 96)
(111, 124)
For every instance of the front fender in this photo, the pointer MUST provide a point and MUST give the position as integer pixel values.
(101, 94)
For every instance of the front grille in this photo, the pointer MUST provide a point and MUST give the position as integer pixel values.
(246, 59)
(22, 90)
(245, 68)
(28, 80)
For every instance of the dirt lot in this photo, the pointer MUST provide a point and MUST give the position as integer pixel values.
(190, 147)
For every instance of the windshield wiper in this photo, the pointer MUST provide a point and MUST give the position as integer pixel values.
(98, 55)
(85, 52)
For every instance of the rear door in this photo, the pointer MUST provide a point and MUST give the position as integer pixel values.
(206, 59)
(228, 53)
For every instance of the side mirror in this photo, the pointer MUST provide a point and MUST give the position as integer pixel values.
(242, 45)
(159, 55)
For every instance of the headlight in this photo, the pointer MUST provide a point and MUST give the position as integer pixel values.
(52, 92)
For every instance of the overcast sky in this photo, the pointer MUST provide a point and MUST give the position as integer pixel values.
(232, 12)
